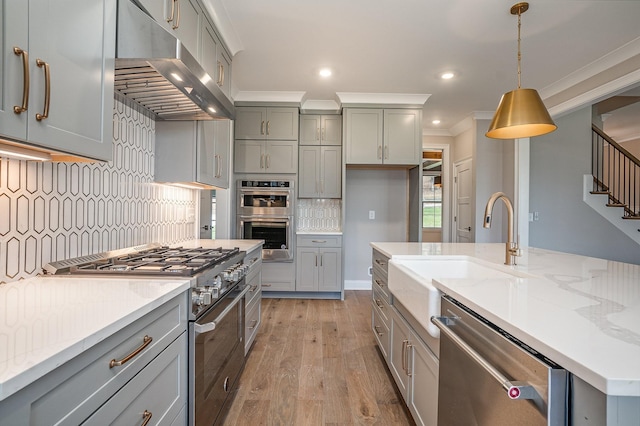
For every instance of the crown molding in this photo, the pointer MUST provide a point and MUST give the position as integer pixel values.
(405, 100)
(255, 97)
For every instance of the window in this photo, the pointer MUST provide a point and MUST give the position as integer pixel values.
(431, 201)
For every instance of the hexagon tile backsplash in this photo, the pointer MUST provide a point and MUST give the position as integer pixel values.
(56, 211)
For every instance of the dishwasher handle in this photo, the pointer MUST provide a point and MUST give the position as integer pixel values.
(514, 389)
(210, 326)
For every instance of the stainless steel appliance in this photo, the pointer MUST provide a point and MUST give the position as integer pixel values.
(266, 212)
(216, 320)
(488, 377)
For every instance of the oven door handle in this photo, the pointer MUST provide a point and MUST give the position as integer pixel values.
(210, 326)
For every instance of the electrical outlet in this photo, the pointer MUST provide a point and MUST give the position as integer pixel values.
(536, 216)
(372, 214)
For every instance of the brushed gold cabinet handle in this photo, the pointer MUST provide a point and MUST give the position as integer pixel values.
(381, 263)
(173, 4)
(379, 152)
(409, 370)
(379, 303)
(268, 127)
(47, 89)
(321, 260)
(379, 283)
(404, 354)
(25, 80)
(254, 322)
(319, 241)
(266, 285)
(262, 127)
(145, 342)
(146, 416)
(378, 332)
(261, 161)
(176, 25)
(253, 288)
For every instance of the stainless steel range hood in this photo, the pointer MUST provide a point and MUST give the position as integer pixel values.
(154, 69)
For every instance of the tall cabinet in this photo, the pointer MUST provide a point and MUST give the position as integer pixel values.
(57, 74)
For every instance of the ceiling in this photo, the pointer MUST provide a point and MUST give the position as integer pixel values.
(391, 46)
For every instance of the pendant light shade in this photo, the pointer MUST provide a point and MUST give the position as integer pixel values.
(521, 112)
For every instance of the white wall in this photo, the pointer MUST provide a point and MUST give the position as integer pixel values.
(558, 162)
(383, 191)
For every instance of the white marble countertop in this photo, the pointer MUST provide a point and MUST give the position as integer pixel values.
(581, 312)
(46, 321)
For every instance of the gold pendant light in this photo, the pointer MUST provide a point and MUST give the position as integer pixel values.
(520, 113)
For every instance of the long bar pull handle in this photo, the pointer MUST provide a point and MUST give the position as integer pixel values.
(145, 342)
(404, 355)
(319, 241)
(381, 263)
(409, 363)
(176, 24)
(173, 4)
(262, 161)
(262, 127)
(514, 389)
(316, 260)
(146, 417)
(379, 303)
(253, 324)
(380, 284)
(378, 332)
(220, 81)
(47, 89)
(268, 127)
(321, 261)
(25, 80)
(268, 161)
(210, 326)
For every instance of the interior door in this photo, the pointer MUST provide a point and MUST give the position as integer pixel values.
(463, 211)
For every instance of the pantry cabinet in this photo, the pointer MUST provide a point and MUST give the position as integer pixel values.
(320, 172)
(320, 130)
(57, 75)
(266, 123)
(319, 263)
(193, 152)
(383, 136)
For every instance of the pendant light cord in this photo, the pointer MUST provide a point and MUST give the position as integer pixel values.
(519, 54)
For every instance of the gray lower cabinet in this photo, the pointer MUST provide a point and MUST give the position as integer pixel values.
(412, 364)
(253, 298)
(278, 276)
(71, 394)
(319, 263)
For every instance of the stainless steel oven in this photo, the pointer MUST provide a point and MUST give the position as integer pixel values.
(266, 212)
(217, 357)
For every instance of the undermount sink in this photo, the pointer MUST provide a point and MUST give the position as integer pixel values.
(410, 282)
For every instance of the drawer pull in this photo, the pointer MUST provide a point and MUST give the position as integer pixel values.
(253, 288)
(378, 332)
(379, 283)
(145, 343)
(381, 263)
(146, 417)
(319, 241)
(266, 285)
(25, 80)
(379, 303)
(255, 322)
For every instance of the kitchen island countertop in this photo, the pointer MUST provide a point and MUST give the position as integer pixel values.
(581, 312)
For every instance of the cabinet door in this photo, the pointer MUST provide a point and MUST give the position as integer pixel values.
(309, 130)
(250, 123)
(209, 46)
(363, 138)
(309, 173)
(187, 25)
(205, 153)
(423, 396)
(400, 336)
(331, 129)
(281, 157)
(160, 10)
(223, 76)
(330, 172)
(249, 157)
(282, 124)
(330, 272)
(307, 269)
(402, 136)
(222, 147)
(13, 33)
(80, 111)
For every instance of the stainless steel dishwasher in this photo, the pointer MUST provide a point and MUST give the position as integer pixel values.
(488, 377)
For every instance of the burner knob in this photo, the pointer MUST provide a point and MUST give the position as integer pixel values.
(217, 281)
(204, 298)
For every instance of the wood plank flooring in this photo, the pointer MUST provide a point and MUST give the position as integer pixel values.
(315, 362)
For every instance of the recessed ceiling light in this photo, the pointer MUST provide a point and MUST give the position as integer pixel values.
(446, 75)
(436, 121)
(325, 72)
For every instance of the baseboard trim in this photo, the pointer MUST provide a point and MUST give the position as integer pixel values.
(357, 284)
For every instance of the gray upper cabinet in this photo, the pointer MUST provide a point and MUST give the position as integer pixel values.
(214, 58)
(181, 17)
(68, 66)
(195, 152)
(320, 130)
(377, 136)
(320, 171)
(259, 156)
(275, 123)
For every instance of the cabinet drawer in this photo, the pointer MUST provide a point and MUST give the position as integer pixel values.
(381, 262)
(380, 303)
(252, 324)
(381, 332)
(379, 283)
(159, 390)
(86, 382)
(255, 291)
(319, 240)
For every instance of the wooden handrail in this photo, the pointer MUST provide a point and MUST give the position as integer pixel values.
(615, 144)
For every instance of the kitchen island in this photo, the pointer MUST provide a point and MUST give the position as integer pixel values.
(583, 313)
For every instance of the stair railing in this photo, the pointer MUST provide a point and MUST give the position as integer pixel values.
(616, 172)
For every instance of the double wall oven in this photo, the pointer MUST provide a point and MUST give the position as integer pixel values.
(265, 211)
(216, 321)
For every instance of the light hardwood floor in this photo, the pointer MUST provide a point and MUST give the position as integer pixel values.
(315, 362)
